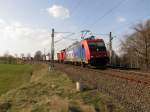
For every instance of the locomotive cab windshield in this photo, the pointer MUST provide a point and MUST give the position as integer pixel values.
(97, 46)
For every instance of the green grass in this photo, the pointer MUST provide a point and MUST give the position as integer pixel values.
(13, 76)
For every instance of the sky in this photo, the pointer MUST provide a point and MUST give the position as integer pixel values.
(25, 25)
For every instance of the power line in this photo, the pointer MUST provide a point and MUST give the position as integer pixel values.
(111, 10)
(86, 16)
(132, 23)
(105, 34)
(108, 12)
(63, 32)
(129, 23)
(65, 37)
(76, 7)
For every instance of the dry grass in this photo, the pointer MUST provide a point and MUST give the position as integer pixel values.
(51, 92)
(59, 105)
(87, 108)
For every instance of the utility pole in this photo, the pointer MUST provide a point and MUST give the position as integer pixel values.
(110, 47)
(52, 49)
(44, 56)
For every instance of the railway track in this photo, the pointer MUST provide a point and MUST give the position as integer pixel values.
(132, 72)
(130, 76)
(133, 93)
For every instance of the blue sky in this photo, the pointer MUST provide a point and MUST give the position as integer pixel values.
(25, 25)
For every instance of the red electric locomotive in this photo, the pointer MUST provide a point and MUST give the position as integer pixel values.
(95, 51)
(90, 51)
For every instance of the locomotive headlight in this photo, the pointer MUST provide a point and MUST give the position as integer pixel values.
(105, 54)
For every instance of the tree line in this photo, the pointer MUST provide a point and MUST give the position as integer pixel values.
(10, 59)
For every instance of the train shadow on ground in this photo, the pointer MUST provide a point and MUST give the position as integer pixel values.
(99, 67)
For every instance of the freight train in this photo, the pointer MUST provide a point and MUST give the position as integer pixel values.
(89, 51)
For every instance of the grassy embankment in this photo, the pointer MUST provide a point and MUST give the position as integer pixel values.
(54, 92)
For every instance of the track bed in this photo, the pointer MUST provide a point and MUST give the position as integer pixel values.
(134, 96)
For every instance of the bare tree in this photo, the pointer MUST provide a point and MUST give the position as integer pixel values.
(136, 47)
(22, 55)
(28, 56)
(16, 55)
(38, 55)
(6, 54)
(143, 34)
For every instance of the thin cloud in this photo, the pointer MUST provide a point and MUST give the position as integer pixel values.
(121, 19)
(2, 21)
(17, 37)
(58, 11)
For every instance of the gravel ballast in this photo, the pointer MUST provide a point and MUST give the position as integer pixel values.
(135, 97)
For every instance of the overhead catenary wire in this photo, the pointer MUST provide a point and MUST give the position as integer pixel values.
(65, 37)
(71, 14)
(86, 16)
(108, 12)
(76, 7)
(105, 34)
(119, 4)
(130, 23)
(63, 32)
